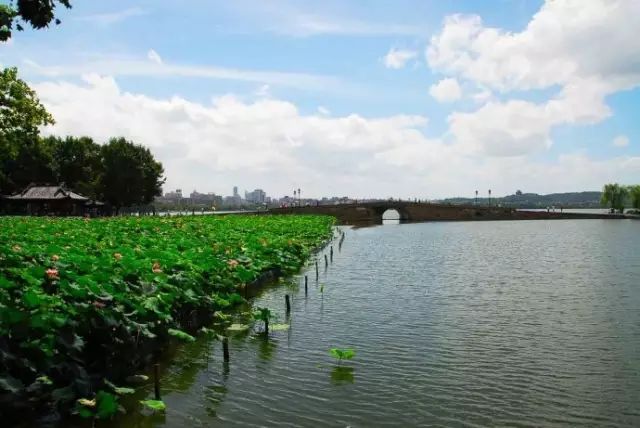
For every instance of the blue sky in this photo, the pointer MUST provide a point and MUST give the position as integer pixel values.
(406, 98)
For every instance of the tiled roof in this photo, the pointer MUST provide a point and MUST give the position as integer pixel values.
(47, 193)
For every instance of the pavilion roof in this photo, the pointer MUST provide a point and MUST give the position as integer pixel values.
(42, 193)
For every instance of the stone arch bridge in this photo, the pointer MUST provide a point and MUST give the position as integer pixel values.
(371, 212)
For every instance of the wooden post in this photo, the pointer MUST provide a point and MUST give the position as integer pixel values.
(287, 303)
(225, 349)
(326, 261)
(331, 254)
(266, 327)
(156, 380)
(306, 281)
(317, 275)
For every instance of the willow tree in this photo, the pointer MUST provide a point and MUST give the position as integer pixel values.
(613, 196)
(634, 193)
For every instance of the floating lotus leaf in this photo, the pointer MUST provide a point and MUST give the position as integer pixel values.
(155, 405)
(181, 335)
(238, 327)
(279, 327)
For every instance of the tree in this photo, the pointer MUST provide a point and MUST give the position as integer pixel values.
(634, 193)
(37, 13)
(614, 196)
(130, 176)
(21, 115)
(76, 162)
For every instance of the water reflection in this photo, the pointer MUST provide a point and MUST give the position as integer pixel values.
(342, 374)
(391, 216)
(266, 348)
(490, 323)
(214, 395)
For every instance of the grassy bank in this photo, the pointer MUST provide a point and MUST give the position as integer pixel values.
(85, 302)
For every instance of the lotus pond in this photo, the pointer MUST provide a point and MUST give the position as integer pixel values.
(85, 303)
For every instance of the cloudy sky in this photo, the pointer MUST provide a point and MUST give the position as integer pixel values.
(406, 98)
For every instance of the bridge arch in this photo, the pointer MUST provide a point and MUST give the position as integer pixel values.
(402, 213)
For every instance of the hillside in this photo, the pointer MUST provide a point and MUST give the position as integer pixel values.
(534, 200)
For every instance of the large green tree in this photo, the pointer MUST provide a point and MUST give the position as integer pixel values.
(76, 162)
(614, 196)
(21, 115)
(131, 175)
(37, 13)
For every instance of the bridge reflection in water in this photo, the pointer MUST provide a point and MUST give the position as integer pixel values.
(391, 216)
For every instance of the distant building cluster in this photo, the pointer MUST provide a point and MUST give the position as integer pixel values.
(256, 198)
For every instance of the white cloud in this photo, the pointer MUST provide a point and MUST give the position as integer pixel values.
(303, 24)
(482, 96)
(133, 66)
(264, 91)
(398, 58)
(586, 49)
(620, 141)
(110, 18)
(446, 90)
(324, 111)
(153, 56)
(565, 40)
(322, 19)
(517, 127)
(269, 143)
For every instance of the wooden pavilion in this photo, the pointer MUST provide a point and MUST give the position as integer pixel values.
(51, 200)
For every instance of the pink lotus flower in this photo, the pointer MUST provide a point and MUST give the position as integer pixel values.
(98, 305)
(52, 274)
(232, 263)
(156, 267)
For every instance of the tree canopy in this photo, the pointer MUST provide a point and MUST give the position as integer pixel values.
(119, 172)
(634, 194)
(37, 13)
(76, 162)
(21, 115)
(614, 196)
(131, 176)
(21, 112)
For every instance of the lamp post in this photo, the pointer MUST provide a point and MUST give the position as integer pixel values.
(476, 197)
(299, 197)
(489, 197)
(294, 198)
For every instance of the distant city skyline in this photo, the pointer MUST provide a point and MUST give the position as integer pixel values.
(260, 195)
(411, 98)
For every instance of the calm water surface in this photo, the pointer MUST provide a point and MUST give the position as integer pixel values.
(454, 324)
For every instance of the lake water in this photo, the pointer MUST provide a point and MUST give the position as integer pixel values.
(521, 323)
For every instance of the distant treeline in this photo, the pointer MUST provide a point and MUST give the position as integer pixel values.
(534, 200)
(117, 172)
(613, 196)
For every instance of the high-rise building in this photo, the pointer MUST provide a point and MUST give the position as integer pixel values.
(258, 196)
(177, 195)
(235, 191)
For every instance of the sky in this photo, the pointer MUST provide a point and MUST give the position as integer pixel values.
(410, 98)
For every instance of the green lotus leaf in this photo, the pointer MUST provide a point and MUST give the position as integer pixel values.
(181, 335)
(238, 327)
(279, 327)
(155, 405)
